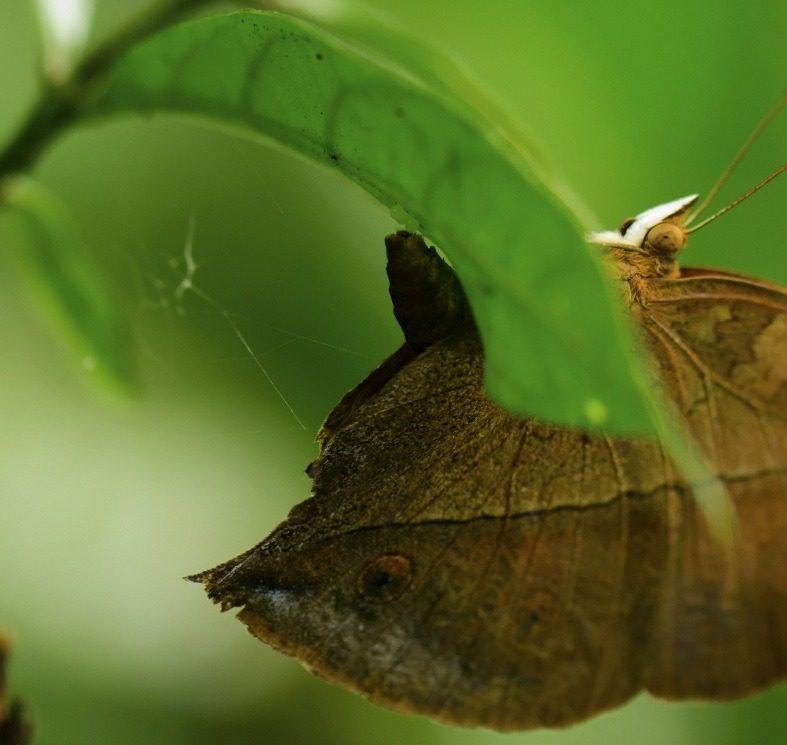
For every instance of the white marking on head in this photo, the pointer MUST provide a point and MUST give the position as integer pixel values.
(636, 230)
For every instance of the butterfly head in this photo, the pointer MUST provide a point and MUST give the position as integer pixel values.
(658, 231)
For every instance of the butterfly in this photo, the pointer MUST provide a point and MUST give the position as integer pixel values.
(459, 561)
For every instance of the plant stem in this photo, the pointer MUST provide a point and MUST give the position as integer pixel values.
(59, 105)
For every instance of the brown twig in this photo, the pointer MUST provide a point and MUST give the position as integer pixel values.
(14, 727)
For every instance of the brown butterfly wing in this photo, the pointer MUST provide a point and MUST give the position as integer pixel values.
(536, 558)
(721, 344)
(460, 562)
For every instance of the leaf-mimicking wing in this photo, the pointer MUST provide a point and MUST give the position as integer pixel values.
(461, 562)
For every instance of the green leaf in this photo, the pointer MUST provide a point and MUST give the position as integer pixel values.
(556, 341)
(382, 35)
(67, 286)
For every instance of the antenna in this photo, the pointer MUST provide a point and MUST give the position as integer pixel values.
(740, 199)
(752, 138)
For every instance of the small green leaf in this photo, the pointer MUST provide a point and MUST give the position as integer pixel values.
(53, 260)
(557, 344)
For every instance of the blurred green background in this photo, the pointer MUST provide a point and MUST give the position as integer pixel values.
(103, 508)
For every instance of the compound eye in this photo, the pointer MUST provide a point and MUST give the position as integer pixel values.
(385, 578)
(625, 225)
(666, 237)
